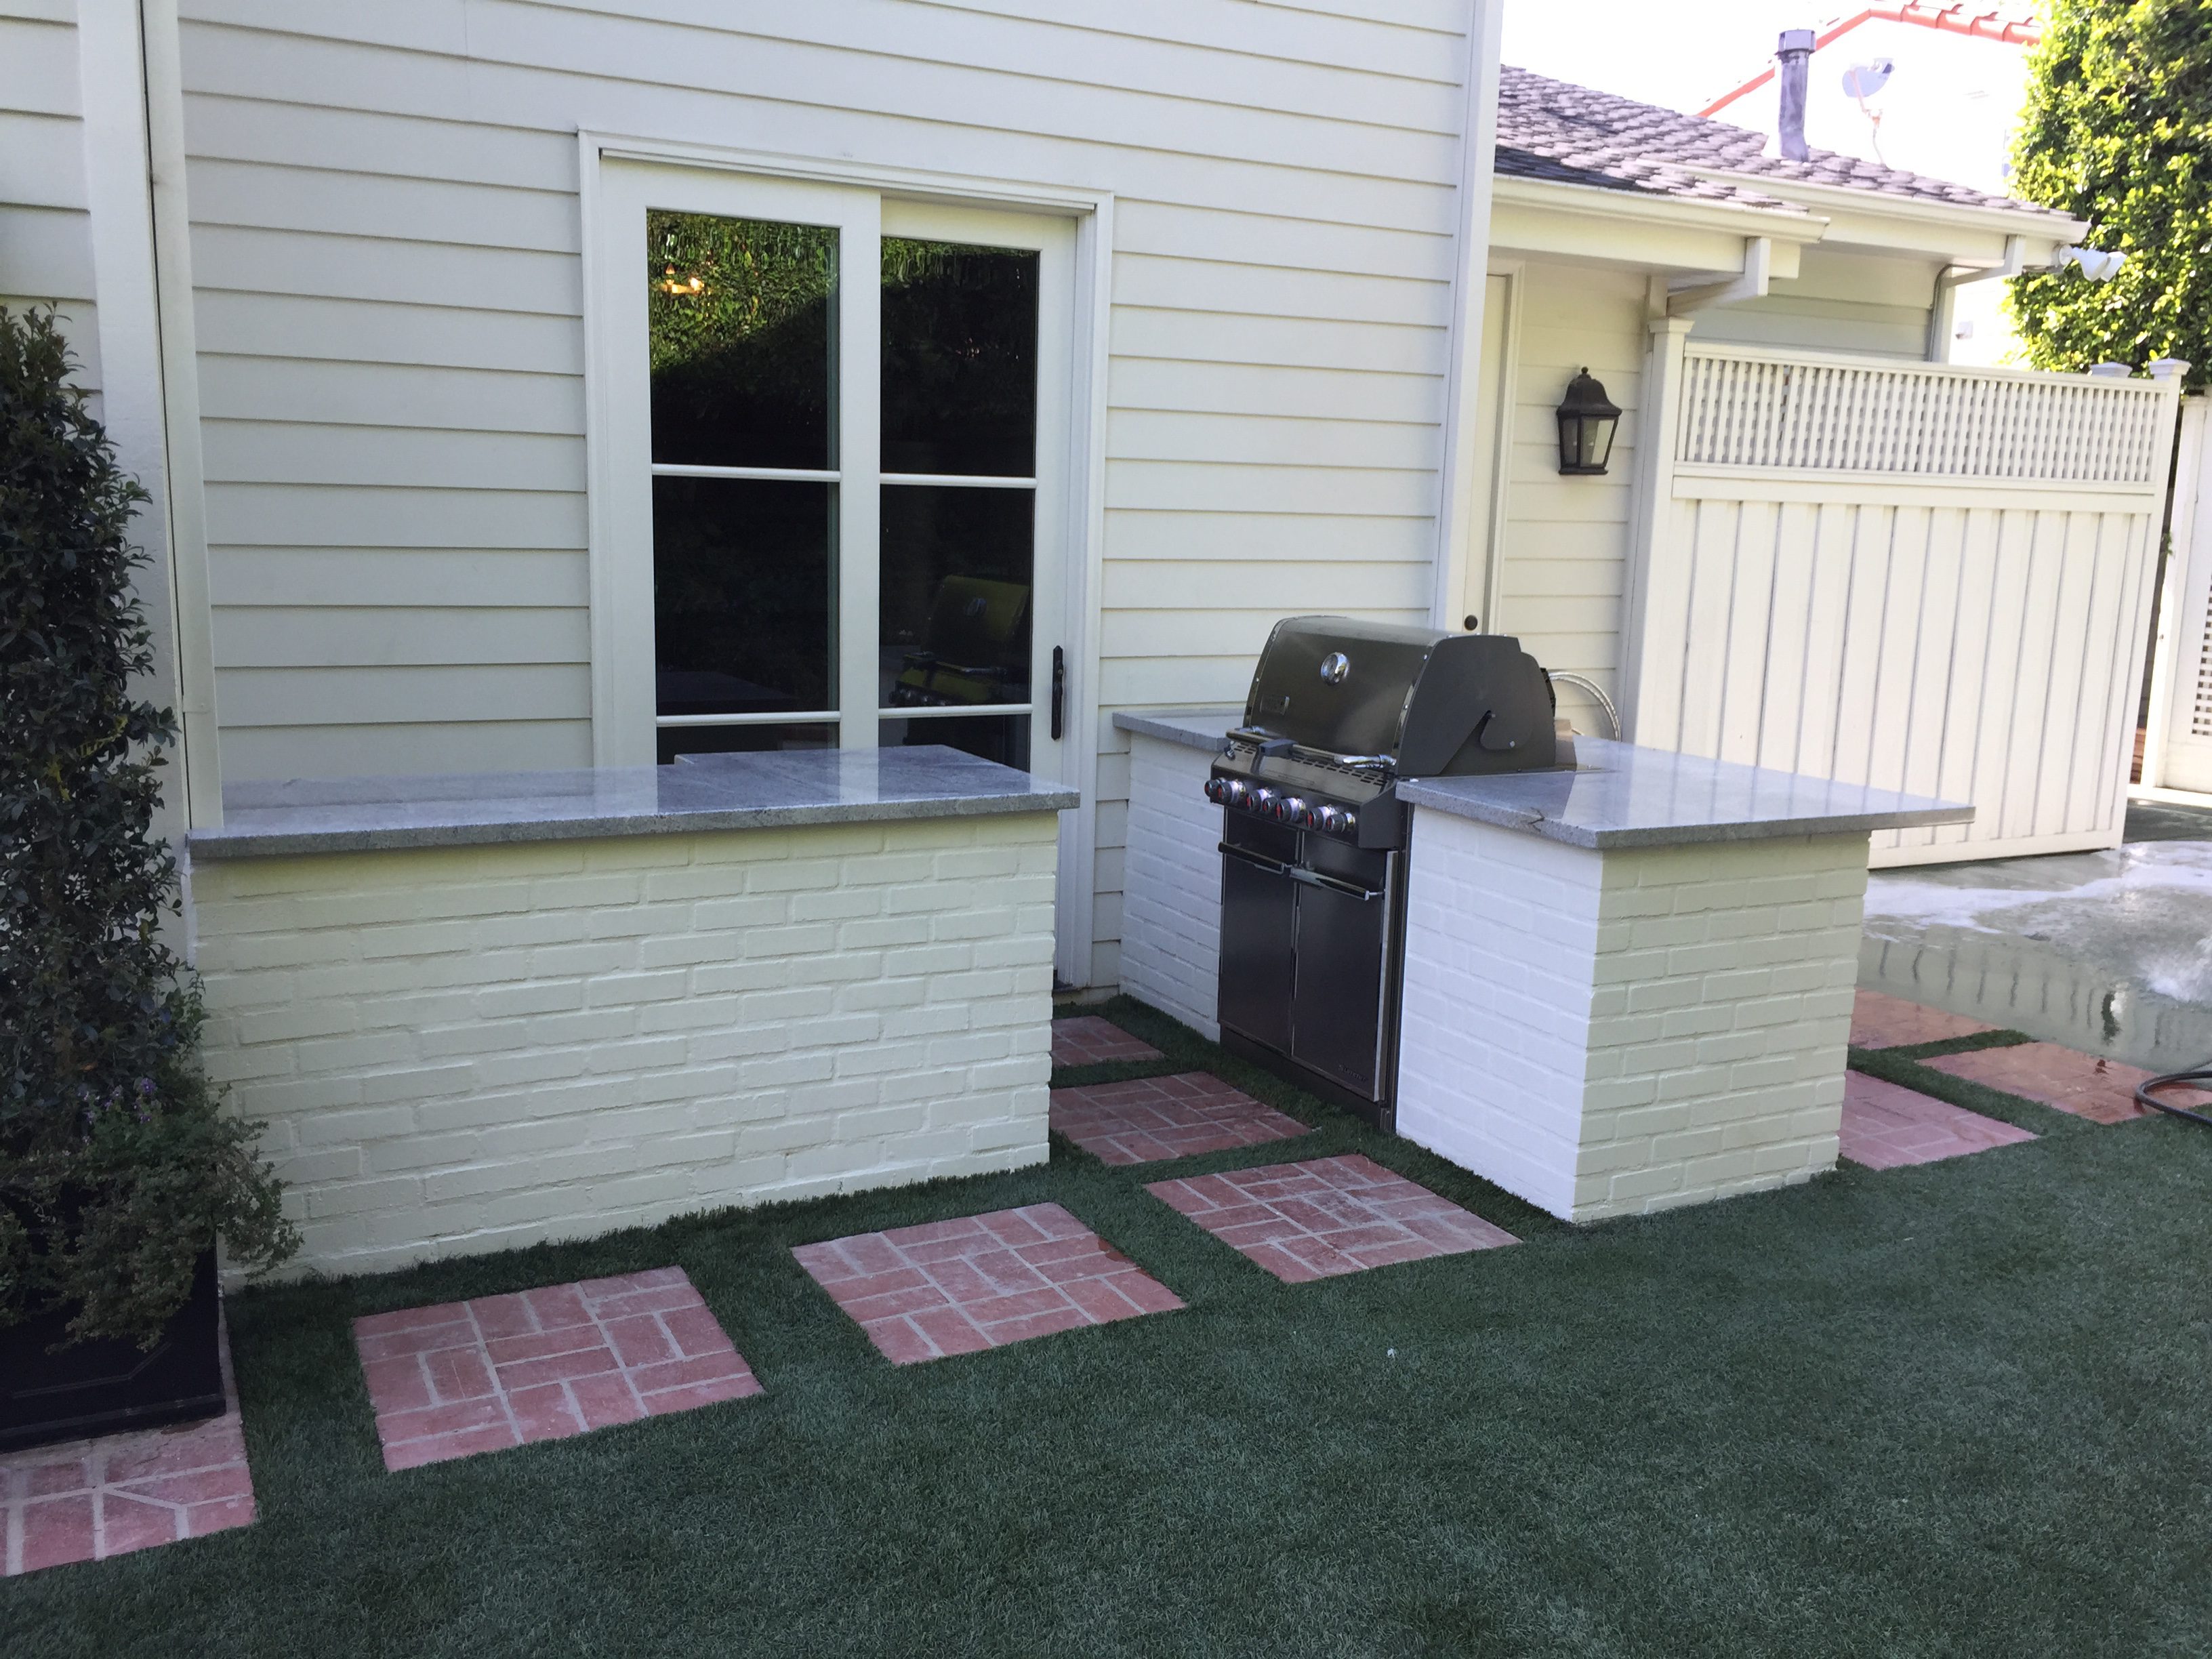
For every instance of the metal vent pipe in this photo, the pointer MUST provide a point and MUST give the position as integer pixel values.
(1795, 55)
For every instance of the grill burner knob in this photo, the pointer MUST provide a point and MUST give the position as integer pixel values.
(1263, 802)
(1290, 809)
(1214, 790)
(1235, 791)
(1330, 819)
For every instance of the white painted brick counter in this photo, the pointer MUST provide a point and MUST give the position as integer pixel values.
(1172, 886)
(464, 1048)
(1607, 1032)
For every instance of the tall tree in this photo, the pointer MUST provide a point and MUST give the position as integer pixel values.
(2118, 130)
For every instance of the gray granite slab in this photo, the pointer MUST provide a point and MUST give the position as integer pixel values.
(1193, 728)
(1624, 796)
(699, 793)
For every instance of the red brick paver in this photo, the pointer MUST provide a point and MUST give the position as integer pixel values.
(543, 1364)
(982, 1281)
(1158, 1117)
(1886, 1022)
(85, 1500)
(1086, 1040)
(1328, 1216)
(2087, 1085)
(1887, 1126)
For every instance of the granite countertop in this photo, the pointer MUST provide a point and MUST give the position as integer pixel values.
(1623, 796)
(764, 790)
(1193, 728)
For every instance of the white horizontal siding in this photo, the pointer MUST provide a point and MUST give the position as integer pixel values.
(386, 236)
(1565, 546)
(45, 231)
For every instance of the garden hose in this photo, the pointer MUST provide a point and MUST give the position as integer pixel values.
(2197, 1076)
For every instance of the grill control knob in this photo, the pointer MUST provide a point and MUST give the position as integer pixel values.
(1291, 809)
(1234, 791)
(1214, 792)
(1330, 819)
(1351, 823)
(1263, 801)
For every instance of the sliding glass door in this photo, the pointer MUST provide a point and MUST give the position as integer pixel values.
(838, 425)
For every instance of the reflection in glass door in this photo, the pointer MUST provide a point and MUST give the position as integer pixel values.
(958, 573)
(742, 335)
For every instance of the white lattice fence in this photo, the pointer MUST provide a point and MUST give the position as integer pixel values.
(1755, 410)
(1923, 577)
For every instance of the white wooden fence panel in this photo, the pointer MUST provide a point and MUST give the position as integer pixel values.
(1924, 578)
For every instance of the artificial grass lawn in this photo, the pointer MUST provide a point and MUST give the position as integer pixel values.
(1950, 1409)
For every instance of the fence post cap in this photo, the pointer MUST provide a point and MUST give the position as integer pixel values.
(2169, 368)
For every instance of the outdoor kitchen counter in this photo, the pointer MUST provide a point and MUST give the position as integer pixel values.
(1620, 795)
(480, 1011)
(698, 794)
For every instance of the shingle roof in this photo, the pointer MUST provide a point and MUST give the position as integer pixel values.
(1557, 131)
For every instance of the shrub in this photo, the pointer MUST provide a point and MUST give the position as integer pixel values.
(116, 1169)
(2118, 130)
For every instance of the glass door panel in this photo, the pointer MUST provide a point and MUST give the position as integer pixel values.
(742, 326)
(959, 359)
(742, 347)
(957, 579)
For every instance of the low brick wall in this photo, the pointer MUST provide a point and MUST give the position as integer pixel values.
(1606, 1033)
(464, 1049)
(1172, 885)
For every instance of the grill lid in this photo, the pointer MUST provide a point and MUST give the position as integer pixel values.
(1432, 703)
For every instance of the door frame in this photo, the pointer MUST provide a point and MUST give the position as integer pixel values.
(615, 727)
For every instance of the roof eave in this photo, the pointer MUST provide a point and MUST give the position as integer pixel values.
(1653, 207)
(1917, 209)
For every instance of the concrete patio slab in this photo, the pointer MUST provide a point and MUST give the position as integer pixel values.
(500, 1371)
(1880, 1021)
(2088, 1085)
(85, 1500)
(1162, 1117)
(1087, 1040)
(1886, 1126)
(980, 1281)
(1327, 1216)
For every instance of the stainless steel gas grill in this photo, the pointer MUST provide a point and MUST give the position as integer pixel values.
(1313, 841)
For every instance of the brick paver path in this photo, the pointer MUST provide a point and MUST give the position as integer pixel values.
(1886, 1022)
(1087, 1040)
(1887, 1126)
(85, 1500)
(949, 1287)
(479, 1375)
(2102, 1090)
(1328, 1216)
(1158, 1117)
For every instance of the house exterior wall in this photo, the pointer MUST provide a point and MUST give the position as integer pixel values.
(1564, 541)
(385, 246)
(1172, 931)
(45, 222)
(460, 1050)
(1837, 301)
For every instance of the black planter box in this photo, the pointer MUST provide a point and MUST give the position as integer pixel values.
(101, 1387)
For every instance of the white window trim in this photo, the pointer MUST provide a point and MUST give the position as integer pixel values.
(1092, 211)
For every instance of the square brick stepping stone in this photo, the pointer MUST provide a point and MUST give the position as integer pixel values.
(1878, 1021)
(949, 1287)
(2102, 1090)
(1328, 1216)
(543, 1364)
(1887, 1126)
(85, 1500)
(1157, 1117)
(1087, 1040)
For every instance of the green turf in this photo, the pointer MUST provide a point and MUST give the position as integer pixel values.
(1955, 1409)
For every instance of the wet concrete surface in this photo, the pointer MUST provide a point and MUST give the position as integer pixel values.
(2107, 952)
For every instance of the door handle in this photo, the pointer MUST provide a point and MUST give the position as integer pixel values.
(1059, 691)
(1299, 873)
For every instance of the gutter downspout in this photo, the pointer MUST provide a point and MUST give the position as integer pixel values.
(1949, 282)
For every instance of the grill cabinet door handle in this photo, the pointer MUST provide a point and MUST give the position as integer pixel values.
(1298, 873)
(1059, 691)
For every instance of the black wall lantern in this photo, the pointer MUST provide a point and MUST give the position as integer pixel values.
(1587, 420)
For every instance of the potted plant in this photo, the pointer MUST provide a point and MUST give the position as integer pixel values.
(118, 1171)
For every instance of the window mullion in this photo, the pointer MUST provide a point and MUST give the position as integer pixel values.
(860, 447)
